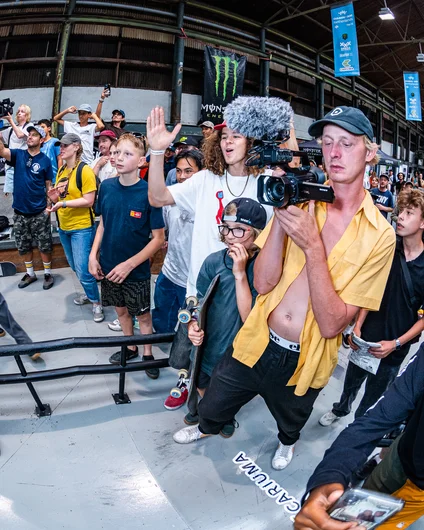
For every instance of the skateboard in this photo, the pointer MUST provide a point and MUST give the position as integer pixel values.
(182, 382)
(7, 268)
(199, 314)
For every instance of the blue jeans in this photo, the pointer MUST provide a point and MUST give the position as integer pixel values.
(8, 179)
(169, 298)
(77, 246)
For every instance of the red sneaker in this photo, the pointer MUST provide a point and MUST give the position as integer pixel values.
(172, 403)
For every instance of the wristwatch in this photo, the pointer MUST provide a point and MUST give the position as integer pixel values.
(64, 204)
(398, 344)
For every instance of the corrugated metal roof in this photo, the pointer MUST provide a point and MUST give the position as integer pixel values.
(95, 29)
(36, 29)
(145, 34)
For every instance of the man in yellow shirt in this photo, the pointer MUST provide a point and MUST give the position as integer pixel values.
(318, 265)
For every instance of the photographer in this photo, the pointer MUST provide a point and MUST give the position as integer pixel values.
(117, 123)
(336, 260)
(15, 137)
(400, 473)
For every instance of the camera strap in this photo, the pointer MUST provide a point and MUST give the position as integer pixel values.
(407, 275)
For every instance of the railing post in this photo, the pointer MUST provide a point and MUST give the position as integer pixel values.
(42, 409)
(121, 398)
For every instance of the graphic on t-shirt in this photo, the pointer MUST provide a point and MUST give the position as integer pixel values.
(219, 196)
(35, 168)
(135, 214)
(63, 186)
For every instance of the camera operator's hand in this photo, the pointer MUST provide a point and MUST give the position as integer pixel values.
(9, 118)
(158, 136)
(299, 225)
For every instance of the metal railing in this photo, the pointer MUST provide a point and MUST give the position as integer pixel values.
(43, 409)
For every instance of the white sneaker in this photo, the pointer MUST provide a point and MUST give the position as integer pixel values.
(115, 325)
(98, 315)
(81, 299)
(328, 418)
(283, 456)
(188, 435)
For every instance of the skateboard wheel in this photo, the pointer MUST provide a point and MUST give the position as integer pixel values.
(184, 316)
(183, 373)
(192, 300)
(175, 392)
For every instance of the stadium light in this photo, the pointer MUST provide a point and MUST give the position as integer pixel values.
(385, 13)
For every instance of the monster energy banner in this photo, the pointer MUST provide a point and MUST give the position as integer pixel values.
(224, 78)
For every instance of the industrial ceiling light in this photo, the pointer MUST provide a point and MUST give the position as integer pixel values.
(420, 56)
(385, 13)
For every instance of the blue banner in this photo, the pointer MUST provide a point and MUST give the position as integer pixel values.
(345, 42)
(411, 82)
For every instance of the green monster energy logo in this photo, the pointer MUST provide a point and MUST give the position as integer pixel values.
(227, 61)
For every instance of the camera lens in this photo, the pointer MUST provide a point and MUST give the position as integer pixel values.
(275, 190)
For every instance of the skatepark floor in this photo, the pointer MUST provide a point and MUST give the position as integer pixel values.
(96, 465)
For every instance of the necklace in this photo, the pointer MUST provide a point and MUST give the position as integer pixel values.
(229, 189)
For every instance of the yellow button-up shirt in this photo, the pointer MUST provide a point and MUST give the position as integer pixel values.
(359, 265)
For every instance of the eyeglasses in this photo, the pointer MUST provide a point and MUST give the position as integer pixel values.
(29, 162)
(224, 230)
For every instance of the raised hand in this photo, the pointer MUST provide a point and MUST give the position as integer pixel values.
(73, 109)
(158, 136)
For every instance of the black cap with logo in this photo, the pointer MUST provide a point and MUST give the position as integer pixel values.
(349, 118)
(249, 212)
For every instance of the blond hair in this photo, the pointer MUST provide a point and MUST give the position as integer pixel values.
(27, 112)
(137, 142)
(371, 146)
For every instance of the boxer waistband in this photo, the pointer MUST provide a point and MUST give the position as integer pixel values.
(284, 343)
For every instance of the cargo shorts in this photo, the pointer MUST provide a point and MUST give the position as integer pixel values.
(35, 228)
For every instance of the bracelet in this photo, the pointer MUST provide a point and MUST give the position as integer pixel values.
(63, 204)
(398, 344)
(153, 152)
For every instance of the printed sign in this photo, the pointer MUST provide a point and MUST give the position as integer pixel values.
(224, 78)
(411, 82)
(345, 42)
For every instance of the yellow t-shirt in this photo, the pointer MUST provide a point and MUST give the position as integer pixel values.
(359, 266)
(66, 181)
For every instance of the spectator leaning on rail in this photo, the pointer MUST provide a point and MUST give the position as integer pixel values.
(82, 128)
(15, 137)
(33, 178)
(337, 259)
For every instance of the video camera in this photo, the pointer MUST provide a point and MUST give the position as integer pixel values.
(298, 185)
(6, 107)
(268, 120)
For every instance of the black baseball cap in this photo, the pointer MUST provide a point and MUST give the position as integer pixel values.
(351, 119)
(118, 111)
(249, 212)
(186, 140)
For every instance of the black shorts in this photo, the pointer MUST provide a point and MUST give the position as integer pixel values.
(203, 379)
(135, 296)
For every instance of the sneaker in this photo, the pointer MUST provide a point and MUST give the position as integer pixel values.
(81, 299)
(153, 373)
(27, 280)
(2, 332)
(98, 315)
(328, 418)
(188, 435)
(130, 354)
(35, 356)
(283, 456)
(191, 419)
(48, 282)
(228, 429)
(115, 325)
(172, 403)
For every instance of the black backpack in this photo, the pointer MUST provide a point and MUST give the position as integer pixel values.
(80, 167)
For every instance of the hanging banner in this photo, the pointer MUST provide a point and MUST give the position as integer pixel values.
(411, 82)
(345, 42)
(223, 81)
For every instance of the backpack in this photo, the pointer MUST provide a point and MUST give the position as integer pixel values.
(4, 222)
(11, 132)
(80, 167)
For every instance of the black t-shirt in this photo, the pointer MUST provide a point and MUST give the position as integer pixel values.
(397, 314)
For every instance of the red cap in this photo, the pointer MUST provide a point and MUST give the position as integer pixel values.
(108, 133)
(220, 126)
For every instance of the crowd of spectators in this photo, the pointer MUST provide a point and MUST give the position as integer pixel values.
(291, 280)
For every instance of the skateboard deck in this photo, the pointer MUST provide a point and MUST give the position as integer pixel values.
(193, 398)
(7, 268)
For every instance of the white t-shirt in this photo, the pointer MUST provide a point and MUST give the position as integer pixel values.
(86, 134)
(105, 172)
(13, 141)
(179, 224)
(204, 196)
